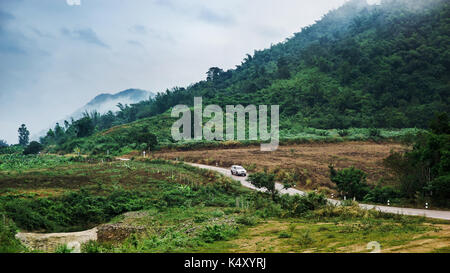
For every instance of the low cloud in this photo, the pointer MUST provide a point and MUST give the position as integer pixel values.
(213, 17)
(85, 34)
(5, 17)
(139, 29)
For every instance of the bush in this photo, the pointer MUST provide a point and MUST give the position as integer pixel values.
(33, 148)
(440, 187)
(214, 233)
(284, 235)
(8, 242)
(247, 220)
(343, 133)
(298, 205)
(382, 195)
(374, 133)
(305, 239)
(63, 249)
(350, 182)
(91, 247)
(264, 181)
(423, 172)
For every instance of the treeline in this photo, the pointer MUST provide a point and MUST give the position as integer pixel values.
(420, 175)
(424, 172)
(73, 136)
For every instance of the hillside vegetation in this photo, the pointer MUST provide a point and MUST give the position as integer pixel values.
(360, 66)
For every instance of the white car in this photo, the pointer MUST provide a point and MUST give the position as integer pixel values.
(238, 170)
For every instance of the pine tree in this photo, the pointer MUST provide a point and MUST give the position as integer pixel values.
(24, 135)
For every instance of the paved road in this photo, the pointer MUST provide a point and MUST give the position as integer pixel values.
(406, 211)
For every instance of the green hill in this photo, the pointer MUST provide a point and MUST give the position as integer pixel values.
(360, 66)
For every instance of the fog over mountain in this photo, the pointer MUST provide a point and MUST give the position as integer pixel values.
(102, 104)
(55, 56)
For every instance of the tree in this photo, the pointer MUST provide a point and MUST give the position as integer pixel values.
(350, 182)
(84, 127)
(34, 148)
(264, 180)
(213, 73)
(3, 143)
(144, 136)
(424, 171)
(24, 135)
(440, 124)
(283, 68)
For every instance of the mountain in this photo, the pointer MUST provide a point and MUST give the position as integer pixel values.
(108, 102)
(359, 66)
(104, 103)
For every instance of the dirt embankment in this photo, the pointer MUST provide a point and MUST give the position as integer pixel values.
(49, 242)
(312, 159)
(106, 233)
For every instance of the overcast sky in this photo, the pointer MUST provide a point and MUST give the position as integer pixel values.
(55, 57)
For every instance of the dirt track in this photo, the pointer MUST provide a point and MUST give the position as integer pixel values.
(312, 159)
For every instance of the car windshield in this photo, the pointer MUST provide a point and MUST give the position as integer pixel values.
(239, 168)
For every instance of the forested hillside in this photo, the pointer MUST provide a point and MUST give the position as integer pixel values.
(360, 66)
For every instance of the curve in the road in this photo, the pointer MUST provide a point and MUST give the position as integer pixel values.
(438, 214)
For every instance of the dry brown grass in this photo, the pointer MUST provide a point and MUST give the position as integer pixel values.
(312, 159)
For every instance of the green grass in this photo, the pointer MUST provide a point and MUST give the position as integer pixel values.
(442, 250)
(18, 162)
(115, 139)
(325, 235)
(183, 209)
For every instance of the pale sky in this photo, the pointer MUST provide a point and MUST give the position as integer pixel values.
(55, 57)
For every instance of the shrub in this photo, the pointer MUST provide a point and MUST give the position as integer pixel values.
(423, 172)
(63, 249)
(247, 220)
(374, 133)
(322, 133)
(33, 148)
(298, 205)
(350, 211)
(305, 239)
(91, 247)
(284, 235)
(214, 233)
(218, 213)
(200, 218)
(343, 133)
(8, 242)
(264, 180)
(350, 182)
(382, 195)
(440, 187)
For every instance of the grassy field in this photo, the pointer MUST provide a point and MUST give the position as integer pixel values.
(206, 230)
(179, 208)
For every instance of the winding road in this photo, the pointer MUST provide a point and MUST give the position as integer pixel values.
(438, 214)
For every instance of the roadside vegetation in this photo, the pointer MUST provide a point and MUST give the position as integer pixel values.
(176, 208)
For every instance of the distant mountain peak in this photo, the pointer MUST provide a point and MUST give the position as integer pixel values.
(103, 103)
(133, 95)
